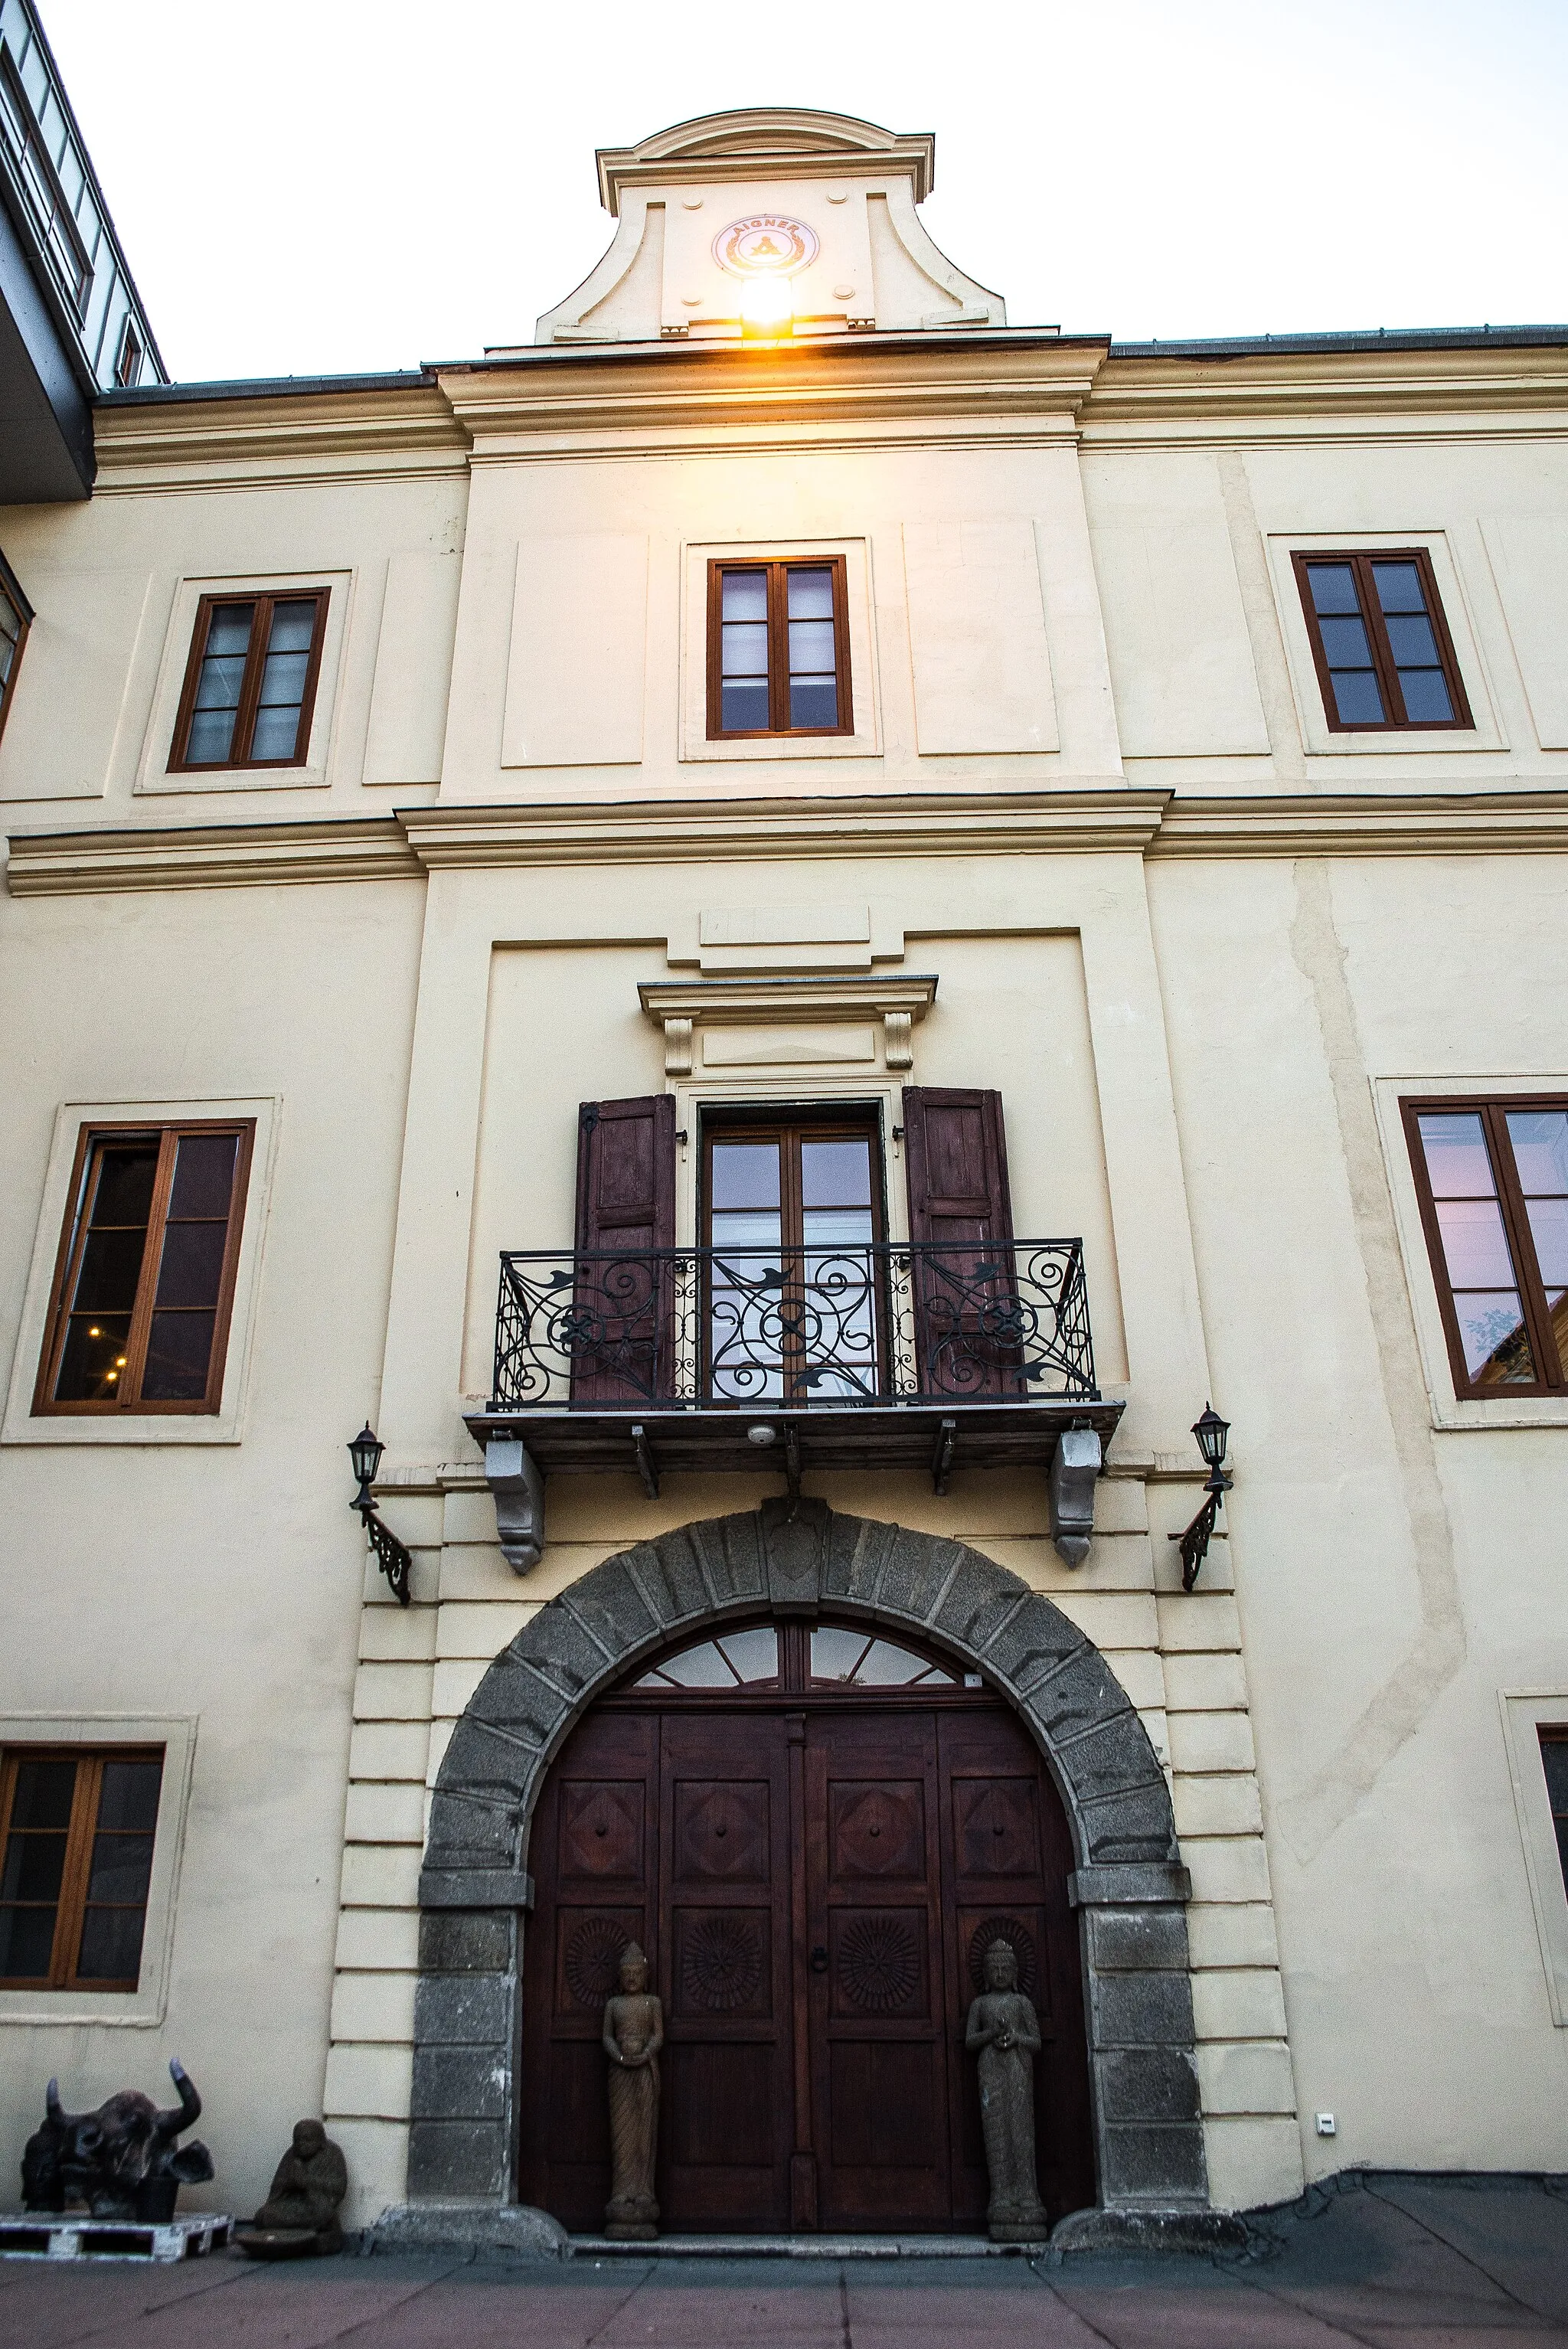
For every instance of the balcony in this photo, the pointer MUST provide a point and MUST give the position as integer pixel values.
(932, 1355)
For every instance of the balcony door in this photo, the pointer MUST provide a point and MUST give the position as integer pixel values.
(791, 1209)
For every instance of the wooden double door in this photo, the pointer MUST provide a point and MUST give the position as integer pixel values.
(815, 1884)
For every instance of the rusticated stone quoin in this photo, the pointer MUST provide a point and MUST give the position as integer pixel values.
(1129, 1887)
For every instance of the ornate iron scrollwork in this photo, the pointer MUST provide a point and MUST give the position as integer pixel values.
(391, 1556)
(803, 1327)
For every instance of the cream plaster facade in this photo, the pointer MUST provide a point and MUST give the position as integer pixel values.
(1201, 944)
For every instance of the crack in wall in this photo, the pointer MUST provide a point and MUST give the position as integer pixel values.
(1395, 1711)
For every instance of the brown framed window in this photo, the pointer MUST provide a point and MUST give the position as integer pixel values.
(250, 683)
(1492, 1181)
(145, 1282)
(77, 1829)
(1384, 658)
(778, 650)
(16, 619)
(128, 360)
(1554, 1761)
(791, 1209)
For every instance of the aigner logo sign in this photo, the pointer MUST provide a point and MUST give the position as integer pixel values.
(768, 241)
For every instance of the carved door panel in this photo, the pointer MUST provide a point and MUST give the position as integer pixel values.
(815, 1886)
(725, 1970)
(875, 1988)
(1006, 1857)
(593, 1856)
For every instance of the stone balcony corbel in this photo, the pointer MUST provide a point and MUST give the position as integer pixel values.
(518, 1489)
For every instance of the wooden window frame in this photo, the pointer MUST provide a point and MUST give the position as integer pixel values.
(70, 1910)
(804, 1122)
(11, 589)
(67, 1261)
(130, 356)
(1361, 560)
(1492, 1110)
(777, 573)
(264, 599)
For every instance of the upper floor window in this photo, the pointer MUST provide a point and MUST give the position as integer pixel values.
(250, 685)
(15, 617)
(40, 180)
(1492, 1180)
(778, 648)
(1385, 659)
(145, 1281)
(128, 359)
(76, 1828)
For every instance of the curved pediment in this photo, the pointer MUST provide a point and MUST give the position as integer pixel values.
(842, 193)
(761, 139)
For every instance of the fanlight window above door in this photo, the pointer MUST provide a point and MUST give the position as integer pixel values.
(839, 1657)
(741, 1659)
(843, 1659)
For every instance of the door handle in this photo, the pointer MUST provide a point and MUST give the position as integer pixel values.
(819, 1960)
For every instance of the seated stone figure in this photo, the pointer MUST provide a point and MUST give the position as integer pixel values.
(310, 2183)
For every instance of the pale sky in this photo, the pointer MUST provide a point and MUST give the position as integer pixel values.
(346, 185)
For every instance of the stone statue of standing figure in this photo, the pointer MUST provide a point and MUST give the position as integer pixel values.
(1005, 2031)
(633, 2034)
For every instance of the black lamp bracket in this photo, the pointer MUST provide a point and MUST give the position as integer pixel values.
(391, 1556)
(1195, 1543)
(1212, 1433)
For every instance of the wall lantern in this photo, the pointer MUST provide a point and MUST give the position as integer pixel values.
(1212, 1433)
(365, 1452)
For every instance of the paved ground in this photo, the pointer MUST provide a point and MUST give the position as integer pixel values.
(1395, 2262)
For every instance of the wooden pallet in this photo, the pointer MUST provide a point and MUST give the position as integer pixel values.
(41, 2235)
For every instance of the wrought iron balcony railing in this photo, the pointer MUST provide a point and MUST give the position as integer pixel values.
(798, 1329)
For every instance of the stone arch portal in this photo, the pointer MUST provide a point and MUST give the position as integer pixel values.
(1128, 1885)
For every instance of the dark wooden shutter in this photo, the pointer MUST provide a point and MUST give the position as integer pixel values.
(961, 1218)
(623, 1293)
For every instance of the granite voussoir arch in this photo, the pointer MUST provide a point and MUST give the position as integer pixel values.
(1129, 1887)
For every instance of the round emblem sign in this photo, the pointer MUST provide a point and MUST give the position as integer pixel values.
(767, 242)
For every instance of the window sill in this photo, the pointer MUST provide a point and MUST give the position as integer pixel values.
(127, 1427)
(54, 2008)
(235, 779)
(751, 747)
(1452, 1416)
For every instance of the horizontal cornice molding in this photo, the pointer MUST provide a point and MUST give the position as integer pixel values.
(1432, 824)
(633, 401)
(1323, 389)
(765, 831)
(210, 856)
(616, 400)
(687, 832)
(219, 443)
